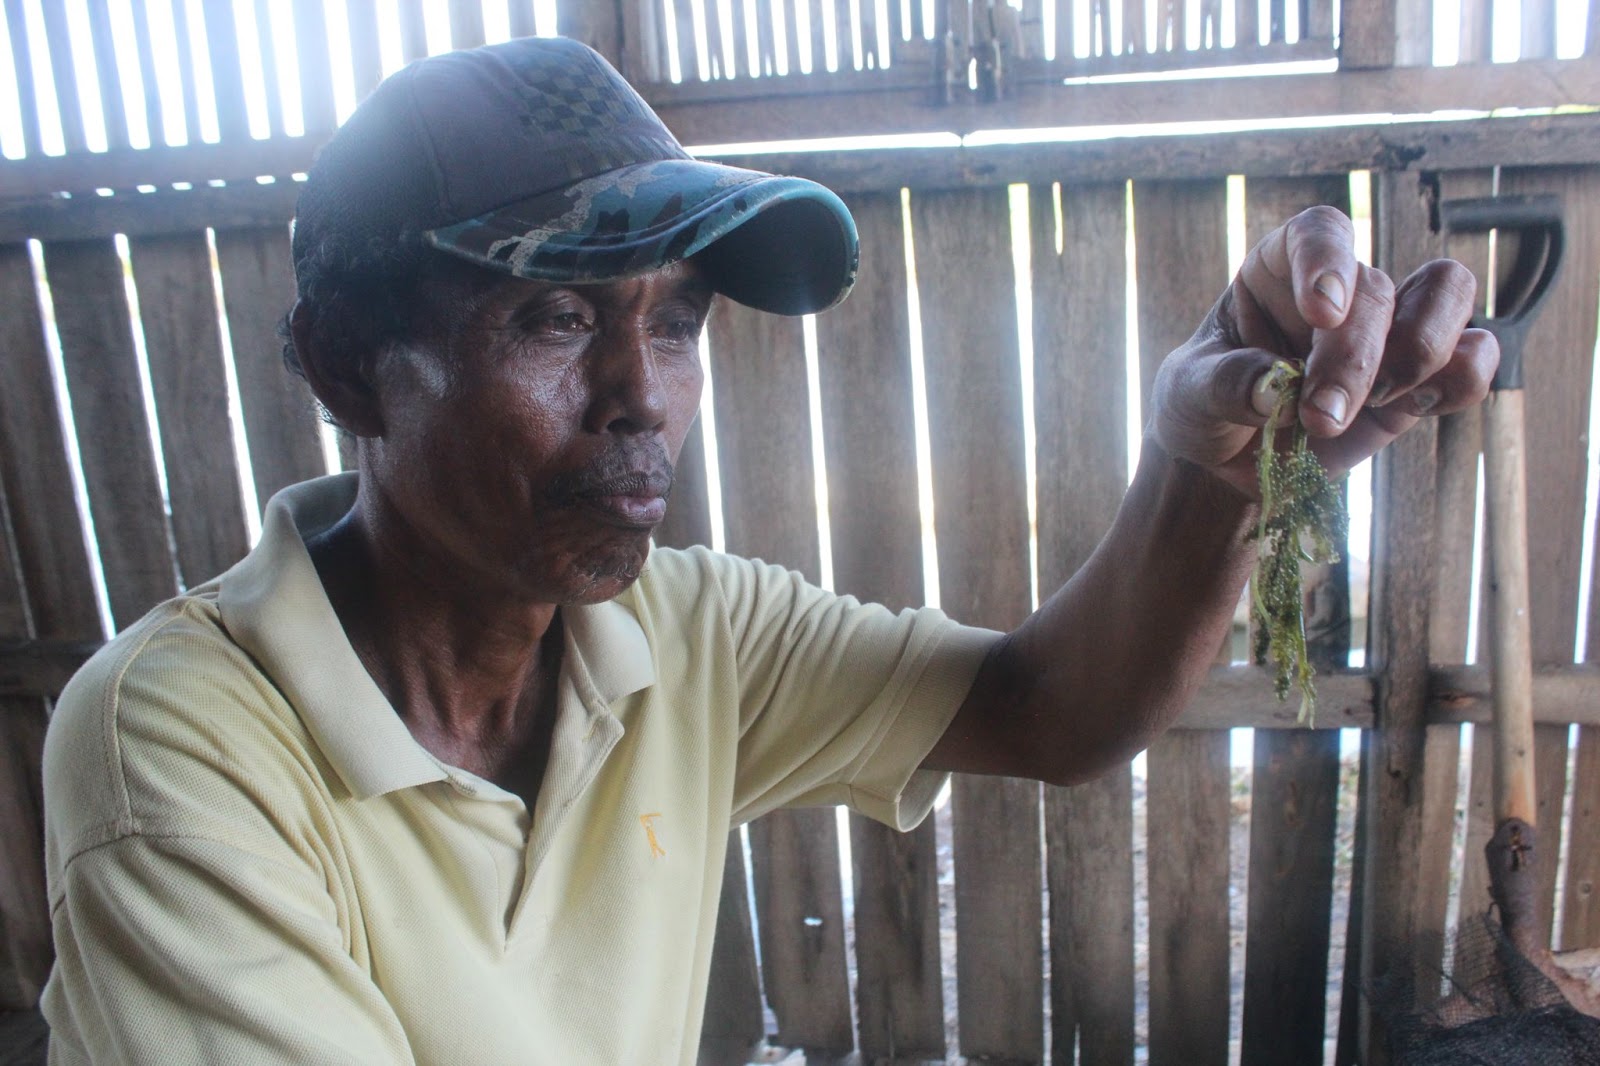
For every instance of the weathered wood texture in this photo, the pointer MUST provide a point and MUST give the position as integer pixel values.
(24, 1039)
(1404, 487)
(864, 370)
(1294, 790)
(1079, 291)
(769, 506)
(280, 419)
(969, 330)
(1181, 250)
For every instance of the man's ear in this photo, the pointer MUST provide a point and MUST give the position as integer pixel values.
(337, 375)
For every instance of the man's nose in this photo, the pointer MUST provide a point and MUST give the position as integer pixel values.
(628, 395)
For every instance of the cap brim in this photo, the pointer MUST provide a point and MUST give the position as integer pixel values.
(778, 244)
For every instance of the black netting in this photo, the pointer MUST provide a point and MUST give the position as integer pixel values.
(1494, 1008)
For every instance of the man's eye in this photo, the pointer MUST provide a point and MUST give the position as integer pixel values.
(567, 322)
(679, 329)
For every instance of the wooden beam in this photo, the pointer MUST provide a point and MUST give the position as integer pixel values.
(1411, 90)
(41, 667)
(243, 205)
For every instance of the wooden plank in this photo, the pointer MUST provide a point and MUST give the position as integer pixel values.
(39, 667)
(1066, 31)
(1276, 20)
(1413, 33)
(267, 44)
(104, 49)
(186, 77)
(466, 23)
(819, 46)
(163, 212)
(688, 520)
(733, 1024)
(145, 51)
(523, 23)
(280, 420)
(222, 41)
(715, 43)
(1247, 27)
(413, 31)
(1180, 234)
(365, 62)
(1580, 912)
(1367, 34)
(316, 66)
(1347, 1047)
(1319, 21)
(688, 52)
(1559, 361)
(1295, 788)
(963, 265)
(22, 64)
(63, 75)
(177, 302)
(35, 468)
(1592, 38)
(765, 46)
(1477, 29)
(1133, 31)
(769, 506)
(1080, 336)
(119, 466)
(864, 371)
(1538, 29)
(1404, 488)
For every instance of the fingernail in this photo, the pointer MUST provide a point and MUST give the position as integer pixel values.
(1379, 394)
(1332, 402)
(1424, 400)
(1331, 286)
(1264, 397)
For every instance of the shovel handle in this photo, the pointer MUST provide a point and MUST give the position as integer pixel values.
(1511, 650)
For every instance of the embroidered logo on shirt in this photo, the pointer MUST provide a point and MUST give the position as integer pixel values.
(649, 823)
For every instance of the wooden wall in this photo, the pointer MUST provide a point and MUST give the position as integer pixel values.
(161, 349)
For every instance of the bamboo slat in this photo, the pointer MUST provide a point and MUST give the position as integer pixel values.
(22, 63)
(733, 1023)
(1294, 790)
(769, 506)
(969, 322)
(1180, 232)
(280, 421)
(1080, 405)
(864, 370)
(222, 42)
(1404, 489)
(183, 342)
(119, 466)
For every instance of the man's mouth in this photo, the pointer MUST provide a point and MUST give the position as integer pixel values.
(637, 500)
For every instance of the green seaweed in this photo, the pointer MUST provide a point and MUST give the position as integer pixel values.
(1303, 519)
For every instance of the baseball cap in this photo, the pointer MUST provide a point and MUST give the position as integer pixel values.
(536, 159)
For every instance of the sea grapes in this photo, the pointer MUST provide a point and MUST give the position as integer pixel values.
(1303, 518)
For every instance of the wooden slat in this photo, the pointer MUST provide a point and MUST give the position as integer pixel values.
(1348, 1049)
(1404, 490)
(769, 505)
(268, 46)
(688, 520)
(22, 64)
(316, 66)
(1592, 39)
(62, 72)
(1210, 24)
(864, 370)
(1477, 29)
(413, 30)
(466, 23)
(1538, 29)
(1180, 231)
(1459, 448)
(765, 46)
(119, 467)
(1559, 358)
(186, 76)
(524, 25)
(1275, 20)
(1367, 34)
(280, 420)
(365, 62)
(1247, 26)
(969, 322)
(112, 111)
(1319, 21)
(1294, 791)
(688, 52)
(145, 50)
(1480, 825)
(177, 304)
(1580, 911)
(35, 468)
(222, 42)
(1079, 337)
(1413, 33)
(1066, 31)
(733, 1023)
(1133, 35)
(25, 1039)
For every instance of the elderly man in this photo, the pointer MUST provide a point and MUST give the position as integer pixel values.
(442, 771)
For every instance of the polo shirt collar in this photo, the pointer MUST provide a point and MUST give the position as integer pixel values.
(274, 606)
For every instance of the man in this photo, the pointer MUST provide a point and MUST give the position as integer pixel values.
(443, 770)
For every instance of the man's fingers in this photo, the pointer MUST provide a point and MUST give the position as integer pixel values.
(1304, 273)
(1432, 307)
(1344, 361)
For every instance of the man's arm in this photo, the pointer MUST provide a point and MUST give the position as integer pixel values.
(1108, 662)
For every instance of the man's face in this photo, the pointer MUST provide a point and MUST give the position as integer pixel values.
(529, 430)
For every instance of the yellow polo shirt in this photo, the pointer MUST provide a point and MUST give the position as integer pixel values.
(252, 861)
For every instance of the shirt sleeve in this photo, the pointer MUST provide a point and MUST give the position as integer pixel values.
(840, 701)
(182, 949)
